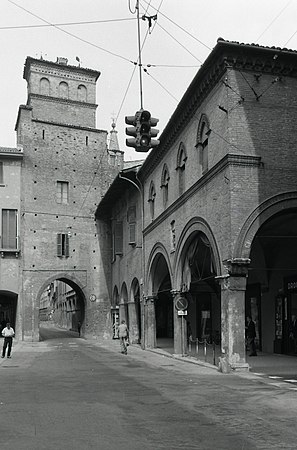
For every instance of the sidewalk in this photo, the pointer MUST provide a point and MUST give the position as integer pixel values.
(263, 364)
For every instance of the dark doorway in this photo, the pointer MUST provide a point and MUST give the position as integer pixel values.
(8, 307)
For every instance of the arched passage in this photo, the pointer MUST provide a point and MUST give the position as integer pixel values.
(160, 303)
(271, 294)
(62, 304)
(135, 312)
(197, 278)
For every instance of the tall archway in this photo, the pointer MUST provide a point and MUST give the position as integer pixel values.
(62, 304)
(135, 312)
(198, 283)
(271, 294)
(160, 283)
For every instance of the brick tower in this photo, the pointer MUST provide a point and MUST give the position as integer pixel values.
(66, 169)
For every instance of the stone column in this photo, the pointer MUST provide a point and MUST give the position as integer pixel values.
(122, 312)
(233, 287)
(149, 330)
(180, 327)
(133, 327)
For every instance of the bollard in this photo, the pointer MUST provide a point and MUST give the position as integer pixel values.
(205, 350)
(197, 347)
(214, 352)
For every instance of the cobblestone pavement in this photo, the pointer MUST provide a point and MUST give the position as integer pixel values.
(70, 393)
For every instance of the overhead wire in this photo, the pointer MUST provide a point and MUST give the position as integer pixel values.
(70, 34)
(66, 24)
(180, 27)
(278, 15)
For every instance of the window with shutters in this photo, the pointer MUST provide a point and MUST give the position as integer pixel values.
(1, 173)
(117, 239)
(132, 225)
(63, 192)
(9, 229)
(63, 245)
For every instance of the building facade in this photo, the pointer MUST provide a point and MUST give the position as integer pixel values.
(62, 166)
(219, 204)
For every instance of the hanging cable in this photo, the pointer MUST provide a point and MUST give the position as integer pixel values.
(181, 28)
(70, 34)
(278, 15)
(65, 24)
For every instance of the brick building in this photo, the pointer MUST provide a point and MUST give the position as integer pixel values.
(10, 189)
(217, 202)
(62, 166)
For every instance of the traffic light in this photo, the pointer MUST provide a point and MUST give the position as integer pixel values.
(142, 131)
(132, 131)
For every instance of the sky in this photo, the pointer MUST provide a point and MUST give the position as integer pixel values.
(103, 34)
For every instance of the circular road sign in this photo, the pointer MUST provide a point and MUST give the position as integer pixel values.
(181, 303)
(92, 297)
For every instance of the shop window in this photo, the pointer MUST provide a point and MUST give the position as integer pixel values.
(63, 192)
(9, 229)
(63, 245)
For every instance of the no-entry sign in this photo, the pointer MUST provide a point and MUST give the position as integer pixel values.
(181, 303)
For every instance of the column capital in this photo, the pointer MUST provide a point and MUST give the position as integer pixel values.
(150, 298)
(237, 267)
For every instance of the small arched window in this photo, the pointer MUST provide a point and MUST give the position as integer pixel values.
(164, 184)
(44, 86)
(63, 90)
(202, 142)
(181, 167)
(151, 199)
(82, 93)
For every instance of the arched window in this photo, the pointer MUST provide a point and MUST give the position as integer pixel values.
(202, 142)
(82, 93)
(44, 86)
(151, 199)
(164, 184)
(181, 167)
(63, 90)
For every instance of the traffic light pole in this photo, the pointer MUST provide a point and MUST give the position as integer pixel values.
(139, 56)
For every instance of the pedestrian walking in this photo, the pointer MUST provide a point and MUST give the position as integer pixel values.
(124, 337)
(251, 335)
(8, 334)
(78, 327)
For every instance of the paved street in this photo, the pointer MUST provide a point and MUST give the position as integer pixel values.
(70, 393)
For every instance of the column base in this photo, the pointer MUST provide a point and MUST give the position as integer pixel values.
(226, 367)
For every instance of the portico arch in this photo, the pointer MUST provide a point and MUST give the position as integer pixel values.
(158, 307)
(268, 239)
(197, 266)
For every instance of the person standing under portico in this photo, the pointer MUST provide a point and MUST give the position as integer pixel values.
(8, 334)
